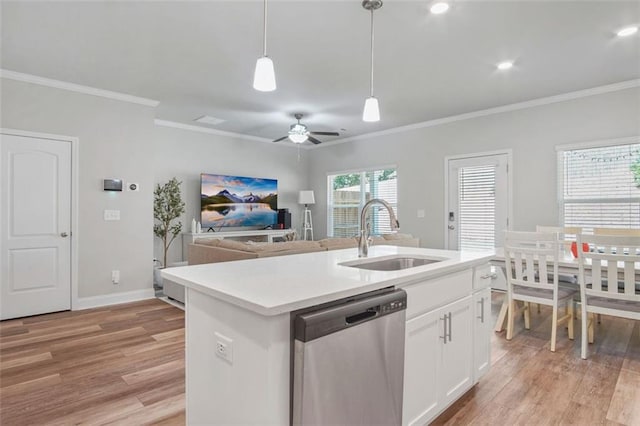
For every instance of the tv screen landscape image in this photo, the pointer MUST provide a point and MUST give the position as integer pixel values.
(237, 201)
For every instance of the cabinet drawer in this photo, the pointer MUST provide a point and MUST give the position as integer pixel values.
(427, 295)
(482, 276)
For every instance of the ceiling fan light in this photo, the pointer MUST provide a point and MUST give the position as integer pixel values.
(264, 78)
(297, 137)
(438, 8)
(371, 112)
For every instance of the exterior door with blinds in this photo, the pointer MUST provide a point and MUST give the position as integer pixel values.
(478, 204)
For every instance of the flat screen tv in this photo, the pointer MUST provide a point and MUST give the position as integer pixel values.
(237, 201)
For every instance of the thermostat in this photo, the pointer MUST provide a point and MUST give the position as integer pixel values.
(112, 184)
(133, 187)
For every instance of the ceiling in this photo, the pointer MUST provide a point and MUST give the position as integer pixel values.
(197, 58)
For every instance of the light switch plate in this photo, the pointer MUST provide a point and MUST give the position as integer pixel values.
(420, 213)
(112, 215)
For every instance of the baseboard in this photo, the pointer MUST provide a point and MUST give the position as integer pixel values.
(113, 299)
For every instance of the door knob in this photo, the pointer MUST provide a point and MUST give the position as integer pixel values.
(64, 235)
(451, 227)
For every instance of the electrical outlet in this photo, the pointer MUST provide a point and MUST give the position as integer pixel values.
(115, 276)
(224, 347)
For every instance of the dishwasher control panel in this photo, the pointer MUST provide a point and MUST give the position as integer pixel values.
(396, 305)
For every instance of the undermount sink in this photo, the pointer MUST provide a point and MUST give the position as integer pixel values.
(395, 263)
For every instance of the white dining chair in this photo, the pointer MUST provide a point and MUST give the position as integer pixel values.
(612, 259)
(532, 277)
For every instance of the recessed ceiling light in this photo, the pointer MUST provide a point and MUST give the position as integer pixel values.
(627, 31)
(438, 8)
(505, 65)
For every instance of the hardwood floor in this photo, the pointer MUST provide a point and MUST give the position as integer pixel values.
(124, 365)
(528, 384)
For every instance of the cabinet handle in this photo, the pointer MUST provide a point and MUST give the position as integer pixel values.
(481, 317)
(450, 326)
(444, 322)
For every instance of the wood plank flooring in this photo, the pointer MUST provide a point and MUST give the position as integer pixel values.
(124, 365)
(530, 385)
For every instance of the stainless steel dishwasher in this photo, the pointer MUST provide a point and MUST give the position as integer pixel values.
(348, 364)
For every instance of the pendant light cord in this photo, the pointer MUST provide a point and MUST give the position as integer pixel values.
(264, 50)
(371, 52)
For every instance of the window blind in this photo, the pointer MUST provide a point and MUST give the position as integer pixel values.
(599, 188)
(477, 209)
(348, 194)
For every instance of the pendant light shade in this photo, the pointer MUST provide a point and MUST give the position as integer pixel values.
(264, 77)
(371, 112)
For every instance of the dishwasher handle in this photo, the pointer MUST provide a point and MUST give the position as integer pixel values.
(348, 313)
(362, 316)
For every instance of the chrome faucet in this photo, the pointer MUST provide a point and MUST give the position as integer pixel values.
(363, 243)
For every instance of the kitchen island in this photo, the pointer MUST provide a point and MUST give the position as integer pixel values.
(238, 328)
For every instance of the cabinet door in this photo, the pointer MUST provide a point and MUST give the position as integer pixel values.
(481, 333)
(457, 353)
(423, 337)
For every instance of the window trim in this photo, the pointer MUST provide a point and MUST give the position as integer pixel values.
(561, 149)
(329, 206)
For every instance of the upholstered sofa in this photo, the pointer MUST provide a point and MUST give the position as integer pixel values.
(212, 250)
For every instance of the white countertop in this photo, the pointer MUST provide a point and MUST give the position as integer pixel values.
(275, 285)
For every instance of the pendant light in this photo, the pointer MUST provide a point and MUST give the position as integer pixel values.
(264, 78)
(371, 112)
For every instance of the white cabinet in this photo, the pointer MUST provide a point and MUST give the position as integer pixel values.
(438, 361)
(481, 333)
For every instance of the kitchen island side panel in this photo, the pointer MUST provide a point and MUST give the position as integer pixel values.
(252, 389)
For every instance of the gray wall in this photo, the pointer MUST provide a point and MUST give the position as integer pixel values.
(531, 133)
(119, 140)
(185, 154)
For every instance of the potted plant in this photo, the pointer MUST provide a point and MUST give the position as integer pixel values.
(167, 208)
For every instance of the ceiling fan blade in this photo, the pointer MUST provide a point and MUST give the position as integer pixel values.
(281, 139)
(314, 140)
(325, 133)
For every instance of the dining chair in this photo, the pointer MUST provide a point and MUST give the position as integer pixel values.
(532, 277)
(612, 258)
(629, 232)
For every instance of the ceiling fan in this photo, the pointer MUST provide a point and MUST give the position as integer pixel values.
(298, 133)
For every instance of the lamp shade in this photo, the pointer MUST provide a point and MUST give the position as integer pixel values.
(306, 197)
(371, 112)
(264, 78)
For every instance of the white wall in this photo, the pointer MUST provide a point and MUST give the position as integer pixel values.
(531, 133)
(119, 140)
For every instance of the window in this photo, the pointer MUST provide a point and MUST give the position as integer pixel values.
(600, 187)
(349, 192)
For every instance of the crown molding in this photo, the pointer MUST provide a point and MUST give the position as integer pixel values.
(629, 84)
(201, 129)
(57, 84)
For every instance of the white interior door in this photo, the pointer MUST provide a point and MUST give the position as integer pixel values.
(478, 202)
(35, 220)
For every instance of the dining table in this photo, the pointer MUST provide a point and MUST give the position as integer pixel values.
(568, 267)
